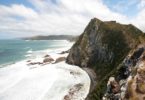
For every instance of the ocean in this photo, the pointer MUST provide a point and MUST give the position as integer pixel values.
(12, 51)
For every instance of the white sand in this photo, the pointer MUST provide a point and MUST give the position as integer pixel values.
(49, 82)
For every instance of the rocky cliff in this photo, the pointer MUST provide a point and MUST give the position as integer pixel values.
(128, 81)
(102, 47)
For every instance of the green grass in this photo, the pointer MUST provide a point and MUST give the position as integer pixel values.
(120, 39)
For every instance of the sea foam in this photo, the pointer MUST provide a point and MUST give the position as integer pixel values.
(20, 81)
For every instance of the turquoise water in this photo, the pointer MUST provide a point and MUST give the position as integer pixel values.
(16, 50)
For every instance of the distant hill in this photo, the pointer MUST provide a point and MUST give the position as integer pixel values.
(52, 37)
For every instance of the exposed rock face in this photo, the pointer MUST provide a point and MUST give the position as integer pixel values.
(102, 47)
(132, 86)
(136, 82)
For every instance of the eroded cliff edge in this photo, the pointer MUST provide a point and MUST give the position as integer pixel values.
(102, 47)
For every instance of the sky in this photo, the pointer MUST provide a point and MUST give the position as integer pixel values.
(24, 18)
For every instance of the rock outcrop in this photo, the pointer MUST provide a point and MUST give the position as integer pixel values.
(48, 60)
(60, 59)
(102, 47)
(131, 79)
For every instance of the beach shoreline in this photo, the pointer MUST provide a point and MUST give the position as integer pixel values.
(34, 79)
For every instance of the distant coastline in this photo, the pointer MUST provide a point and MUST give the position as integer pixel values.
(15, 50)
(52, 37)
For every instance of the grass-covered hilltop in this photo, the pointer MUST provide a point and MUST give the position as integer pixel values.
(104, 47)
(52, 37)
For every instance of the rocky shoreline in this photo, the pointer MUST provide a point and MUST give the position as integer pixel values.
(75, 89)
(45, 77)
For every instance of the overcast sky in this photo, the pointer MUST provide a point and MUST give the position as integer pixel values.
(21, 18)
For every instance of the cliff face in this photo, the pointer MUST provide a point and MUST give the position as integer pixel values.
(102, 47)
(135, 85)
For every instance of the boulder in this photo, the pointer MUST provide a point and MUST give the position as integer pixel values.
(46, 56)
(34, 63)
(64, 52)
(28, 60)
(60, 59)
(115, 87)
(48, 60)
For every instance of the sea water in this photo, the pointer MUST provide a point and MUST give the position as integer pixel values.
(12, 51)
(20, 81)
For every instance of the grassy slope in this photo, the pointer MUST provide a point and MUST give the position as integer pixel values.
(121, 39)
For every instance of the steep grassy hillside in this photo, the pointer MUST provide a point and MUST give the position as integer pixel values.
(102, 47)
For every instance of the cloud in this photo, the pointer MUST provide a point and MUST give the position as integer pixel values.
(17, 10)
(139, 20)
(59, 17)
(141, 4)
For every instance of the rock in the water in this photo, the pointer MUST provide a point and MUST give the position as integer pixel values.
(48, 60)
(60, 59)
(64, 52)
(28, 60)
(34, 63)
(46, 56)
